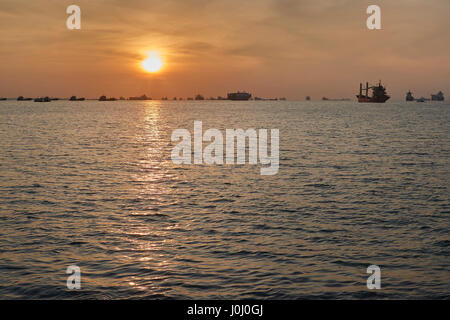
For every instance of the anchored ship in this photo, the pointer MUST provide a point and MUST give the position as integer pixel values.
(143, 97)
(409, 96)
(103, 98)
(74, 98)
(46, 99)
(378, 94)
(239, 96)
(21, 98)
(437, 97)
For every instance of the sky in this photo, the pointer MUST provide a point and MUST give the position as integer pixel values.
(270, 48)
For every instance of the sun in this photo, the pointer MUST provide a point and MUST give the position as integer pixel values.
(153, 63)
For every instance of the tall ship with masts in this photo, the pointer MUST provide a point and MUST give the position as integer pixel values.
(378, 94)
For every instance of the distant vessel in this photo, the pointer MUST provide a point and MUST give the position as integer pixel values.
(423, 99)
(239, 96)
(409, 96)
(46, 99)
(21, 98)
(103, 98)
(308, 98)
(378, 94)
(74, 98)
(264, 99)
(199, 97)
(437, 97)
(3, 99)
(327, 99)
(143, 97)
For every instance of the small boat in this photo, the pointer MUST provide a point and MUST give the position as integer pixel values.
(266, 99)
(422, 99)
(341, 99)
(3, 99)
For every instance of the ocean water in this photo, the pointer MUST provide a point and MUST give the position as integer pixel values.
(92, 184)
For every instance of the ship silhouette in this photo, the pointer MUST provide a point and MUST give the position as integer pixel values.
(239, 96)
(74, 98)
(437, 97)
(103, 98)
(21, 98)
(46, 99)
(409, 96)
(141, 98)
(378, 94)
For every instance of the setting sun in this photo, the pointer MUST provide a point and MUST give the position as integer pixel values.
(153, 63)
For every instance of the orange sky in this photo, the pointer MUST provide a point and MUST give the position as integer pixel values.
(290, 48)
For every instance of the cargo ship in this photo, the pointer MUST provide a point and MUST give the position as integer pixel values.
(437, 97)
(409, 96)
(378, 94)
(21, 98)
(74, 98)
(46, 99)
(141, 98)
(104, 98)
(239, 96)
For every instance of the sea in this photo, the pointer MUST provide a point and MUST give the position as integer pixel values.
(92, 184)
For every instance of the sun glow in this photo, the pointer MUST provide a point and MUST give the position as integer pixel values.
(153, 63)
